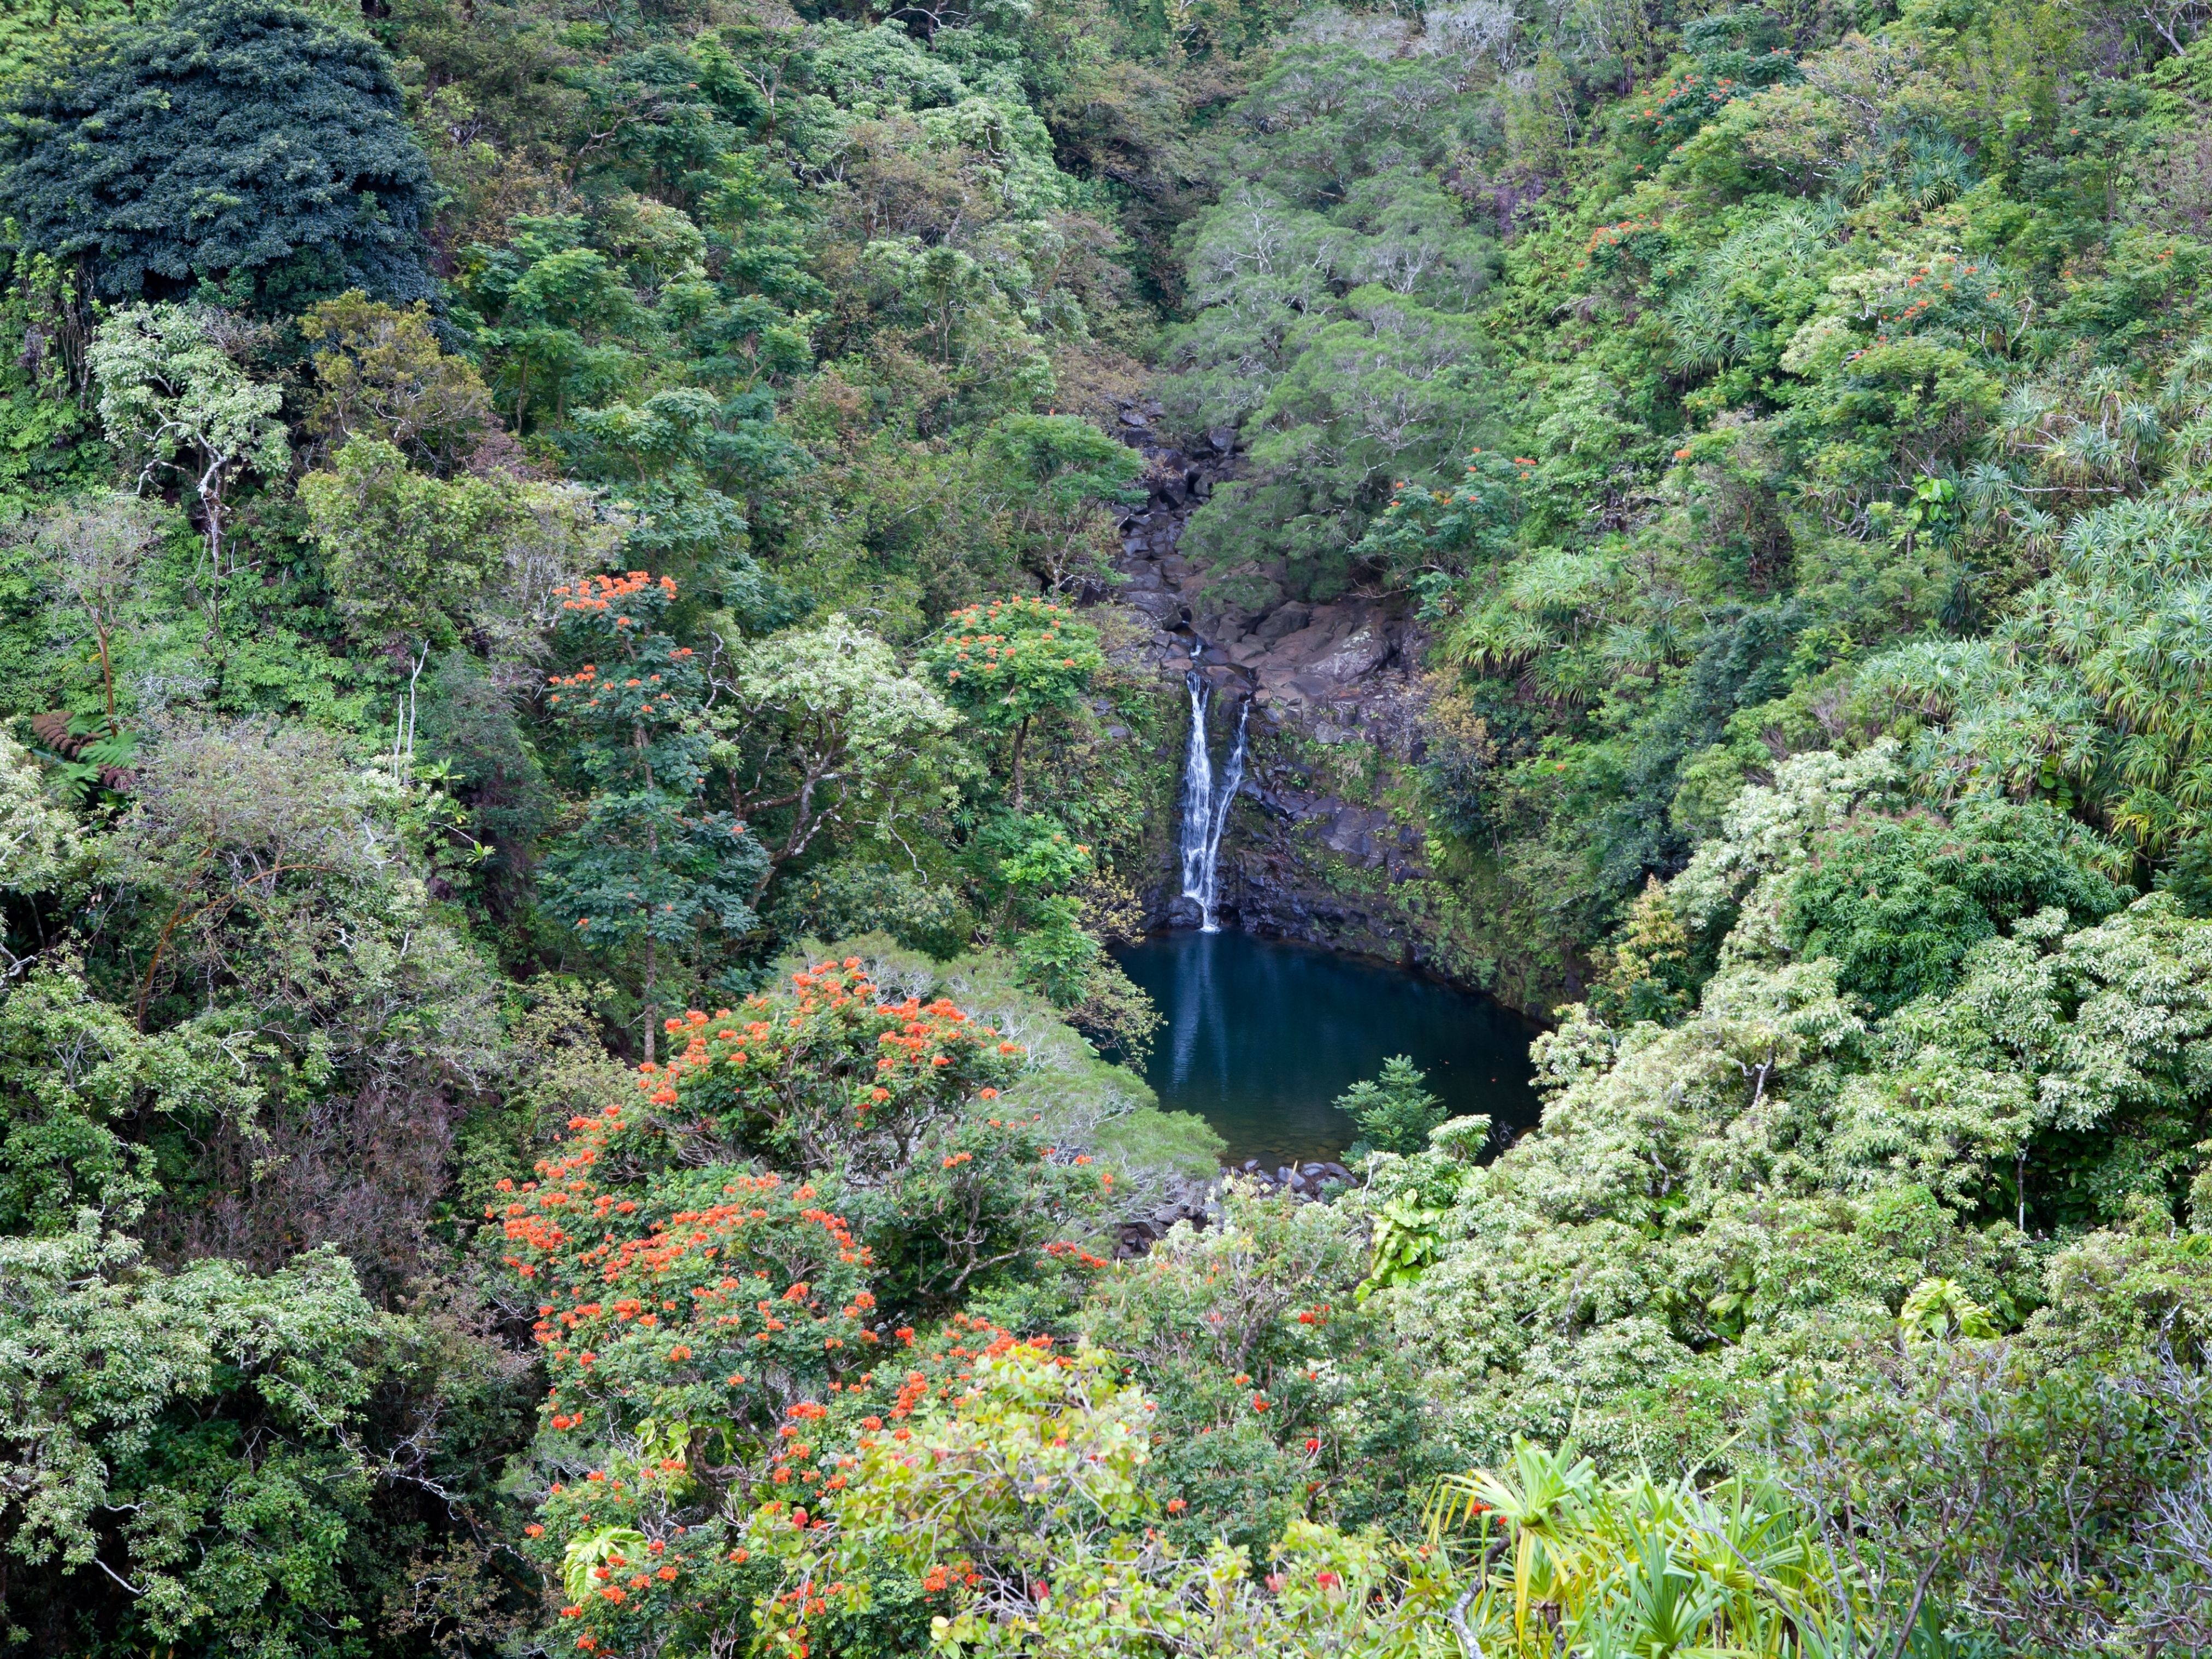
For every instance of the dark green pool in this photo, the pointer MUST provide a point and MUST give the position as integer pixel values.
(1260, 1037)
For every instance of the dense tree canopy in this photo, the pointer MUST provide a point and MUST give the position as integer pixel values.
(572, 752)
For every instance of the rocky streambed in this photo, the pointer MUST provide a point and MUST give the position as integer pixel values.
(1199, 1203)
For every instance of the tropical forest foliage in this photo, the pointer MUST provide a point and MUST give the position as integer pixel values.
(568, 771)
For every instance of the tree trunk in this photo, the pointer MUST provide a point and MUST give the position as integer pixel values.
(106, 675)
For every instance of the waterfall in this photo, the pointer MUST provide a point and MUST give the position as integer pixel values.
(1205, 808)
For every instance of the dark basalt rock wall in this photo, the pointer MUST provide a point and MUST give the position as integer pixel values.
(1315, 850)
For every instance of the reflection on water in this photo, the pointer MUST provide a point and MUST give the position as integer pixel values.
(1260, 1037)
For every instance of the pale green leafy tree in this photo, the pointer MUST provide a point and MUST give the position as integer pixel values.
(76, 1076)
(1748, 1190)
(99, 1355)
(823, 730)
(2104, 1032)
(415, 557)
(1757, 1188)
(176, 403)
(1023, 1504)
(1768, 832)
(38, 840)
(99, 544)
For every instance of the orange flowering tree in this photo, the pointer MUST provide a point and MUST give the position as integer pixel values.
(1434, 537)
(834, 1066)
(1008, 662)
(895, 1098)
(978, 1498)
(681, 1319)
(648, 868)
(1736, 53)
(699, 1314)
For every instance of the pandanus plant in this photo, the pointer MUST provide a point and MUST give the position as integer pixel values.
(1565, 1562)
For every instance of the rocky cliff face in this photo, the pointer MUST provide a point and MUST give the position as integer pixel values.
(1324, 843)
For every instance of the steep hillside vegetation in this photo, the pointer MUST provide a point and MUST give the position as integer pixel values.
(570, 759)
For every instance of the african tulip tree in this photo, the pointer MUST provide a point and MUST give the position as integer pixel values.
(647, 864)
(1006, 663)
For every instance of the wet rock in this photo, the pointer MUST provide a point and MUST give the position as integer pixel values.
(1194, 1202)
(1162, 607)
(1346, 658)
(1360, 833)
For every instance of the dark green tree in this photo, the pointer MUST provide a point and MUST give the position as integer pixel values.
(249, 144)
(645, 867)
(1058, 472)
(1899, 901)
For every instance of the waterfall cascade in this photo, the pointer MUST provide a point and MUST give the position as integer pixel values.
(1205, 806)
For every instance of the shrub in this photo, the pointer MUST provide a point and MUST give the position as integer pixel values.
(1396, 1111)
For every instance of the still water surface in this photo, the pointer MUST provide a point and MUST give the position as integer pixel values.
(1259, 1037)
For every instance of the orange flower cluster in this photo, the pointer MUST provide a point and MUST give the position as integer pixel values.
(925, 1053)
(1608, 237)
(585, 679)
(939, 1369)
(806, 1597)
(693, 1271)
(1698, 86)
(1524, 465)
(1945, 275)
(1067, 1251)
(598, 593)
(975, 617)
(1614, 235)
(1693, 85)
(999, 649)
(582, 676)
